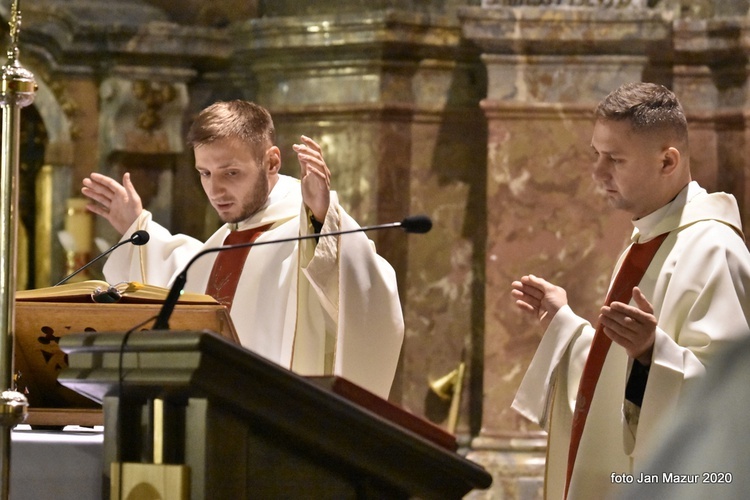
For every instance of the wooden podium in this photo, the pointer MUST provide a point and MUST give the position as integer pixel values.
(233, 425)
(38, 358)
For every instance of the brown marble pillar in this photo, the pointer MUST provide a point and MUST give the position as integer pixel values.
(547, 68)
(392, 97)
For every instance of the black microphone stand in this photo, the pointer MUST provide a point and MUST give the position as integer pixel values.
(138, 238)
(416, 224)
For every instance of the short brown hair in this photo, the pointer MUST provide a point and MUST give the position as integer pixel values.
(649, 107)
(238, 119)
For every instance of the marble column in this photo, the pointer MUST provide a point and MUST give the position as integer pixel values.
(392, 96)
(711, 79)
(547, 68)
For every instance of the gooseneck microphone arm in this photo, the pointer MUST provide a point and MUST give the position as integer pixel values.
(412, 224)
(138, 238)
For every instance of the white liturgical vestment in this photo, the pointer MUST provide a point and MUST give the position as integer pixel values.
(330, 307)
(699, 285)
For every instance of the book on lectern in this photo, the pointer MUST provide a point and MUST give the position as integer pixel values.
(100, 291)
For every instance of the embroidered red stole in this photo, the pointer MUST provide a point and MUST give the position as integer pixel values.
(225, 275)
(632, 270)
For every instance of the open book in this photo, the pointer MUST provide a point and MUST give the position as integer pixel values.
(100, 291)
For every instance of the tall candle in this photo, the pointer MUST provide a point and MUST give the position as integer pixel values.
(79, 223)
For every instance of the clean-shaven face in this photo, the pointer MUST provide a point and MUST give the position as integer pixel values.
(627, 167)
(236, 184)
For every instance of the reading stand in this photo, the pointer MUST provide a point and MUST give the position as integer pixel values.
(40, 326)
(191, 412)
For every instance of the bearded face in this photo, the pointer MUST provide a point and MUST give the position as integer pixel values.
(235, 180)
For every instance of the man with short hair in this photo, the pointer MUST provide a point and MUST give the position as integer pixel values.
(325, 307)
(601, 394)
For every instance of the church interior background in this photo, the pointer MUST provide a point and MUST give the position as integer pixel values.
(475, 112)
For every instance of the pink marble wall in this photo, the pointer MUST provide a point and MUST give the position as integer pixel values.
(445, 266)
(545, 217)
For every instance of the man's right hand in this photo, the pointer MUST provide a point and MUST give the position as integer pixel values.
(539, 297)
(118, 203)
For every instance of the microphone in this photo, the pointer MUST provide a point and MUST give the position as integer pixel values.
(418, 224)
(138, 238)
(413, 224)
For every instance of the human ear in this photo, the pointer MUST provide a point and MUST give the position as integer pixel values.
(272, 160)
(670, 160)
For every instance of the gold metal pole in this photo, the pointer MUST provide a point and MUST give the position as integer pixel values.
(456, 399)
(17, 90)
(44, 227)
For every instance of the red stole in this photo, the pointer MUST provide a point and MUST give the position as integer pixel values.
(632, 270)
(222, 283)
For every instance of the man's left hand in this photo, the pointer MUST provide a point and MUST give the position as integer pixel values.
(315, 177)
(634, 328)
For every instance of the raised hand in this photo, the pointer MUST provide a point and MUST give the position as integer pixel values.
(118, 203)
(539, 297)
(634, 328)
(315, 177)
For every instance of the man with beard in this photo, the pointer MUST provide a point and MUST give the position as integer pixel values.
(316, 307)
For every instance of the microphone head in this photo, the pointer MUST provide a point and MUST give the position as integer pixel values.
(416, 224)
(140, 237)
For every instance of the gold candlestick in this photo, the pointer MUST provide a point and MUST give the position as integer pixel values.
(17, 89)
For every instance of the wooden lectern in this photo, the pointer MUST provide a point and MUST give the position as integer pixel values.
(38, 359)
(226, 423)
